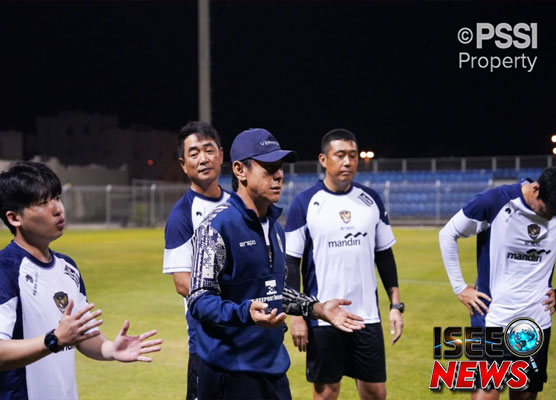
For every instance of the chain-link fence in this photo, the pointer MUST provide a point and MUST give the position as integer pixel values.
(414, 191)
(408, 203)
(121, 206)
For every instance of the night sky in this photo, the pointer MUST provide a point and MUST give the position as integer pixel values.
(388, 71)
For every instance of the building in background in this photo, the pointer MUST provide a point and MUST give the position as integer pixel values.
(11, 145)
(80, 138)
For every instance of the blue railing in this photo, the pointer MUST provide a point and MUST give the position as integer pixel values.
(414, 197)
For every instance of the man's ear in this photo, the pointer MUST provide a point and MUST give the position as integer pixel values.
(14, 218)
(221, 155)
(238, 169)
(182, 164)
(535, 186)
(322, 160)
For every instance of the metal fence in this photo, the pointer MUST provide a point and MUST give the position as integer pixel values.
(139, 205)
(461, 164)
(428, 195)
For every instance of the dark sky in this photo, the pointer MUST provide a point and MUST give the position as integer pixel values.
(388, 71)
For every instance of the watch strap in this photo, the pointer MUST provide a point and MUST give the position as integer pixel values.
(398, 306)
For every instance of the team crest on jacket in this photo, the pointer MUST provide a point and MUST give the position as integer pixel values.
(345, 215)
(61, 300)
(533, 230)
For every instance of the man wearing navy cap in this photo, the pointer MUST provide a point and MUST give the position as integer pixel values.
(238, 290)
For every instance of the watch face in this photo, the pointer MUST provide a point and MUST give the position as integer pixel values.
(51, 342)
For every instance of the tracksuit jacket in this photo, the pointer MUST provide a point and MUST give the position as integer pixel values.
(232, 267)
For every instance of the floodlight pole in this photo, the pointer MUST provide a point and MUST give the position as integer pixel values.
(204, 61)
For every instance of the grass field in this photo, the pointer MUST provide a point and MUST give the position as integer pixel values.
(122, 272)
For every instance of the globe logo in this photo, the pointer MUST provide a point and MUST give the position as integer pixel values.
(524, 337)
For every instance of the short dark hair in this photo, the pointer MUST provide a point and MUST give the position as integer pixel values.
(235, 182)
(547, 189)
(26, 183)
(336, 134)
(202, 129)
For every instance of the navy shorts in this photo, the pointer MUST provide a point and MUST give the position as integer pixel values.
(536, 378)
(192, 376)
(332, 353)
(218, 384)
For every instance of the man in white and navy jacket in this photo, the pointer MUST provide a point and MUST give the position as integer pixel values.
(238, 290)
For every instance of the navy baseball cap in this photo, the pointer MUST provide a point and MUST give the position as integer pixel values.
(260, 145)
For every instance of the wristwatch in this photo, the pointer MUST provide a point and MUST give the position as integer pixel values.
(398, 306)
(51, 342)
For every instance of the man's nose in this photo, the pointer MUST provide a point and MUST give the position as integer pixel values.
(57, 206)
(279, 174)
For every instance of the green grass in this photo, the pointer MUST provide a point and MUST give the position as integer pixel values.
(122, 273)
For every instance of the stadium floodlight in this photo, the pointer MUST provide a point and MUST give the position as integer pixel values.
(367, 155)
(554, 150)
(553, 138)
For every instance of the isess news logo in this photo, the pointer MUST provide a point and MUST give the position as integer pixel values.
(522, 337)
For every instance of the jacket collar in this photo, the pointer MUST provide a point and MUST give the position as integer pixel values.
(272, 214)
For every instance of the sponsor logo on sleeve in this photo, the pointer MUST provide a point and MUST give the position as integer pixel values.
(72, 273)
(365, 198)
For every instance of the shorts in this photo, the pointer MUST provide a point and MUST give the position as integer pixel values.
(192, 376)
(536, 378)
(218, 384)
(332, 353)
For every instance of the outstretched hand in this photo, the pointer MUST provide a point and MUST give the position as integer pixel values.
(262, 316)
(472, 299)
(131, 348)
(72, 329)
(330, 311)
